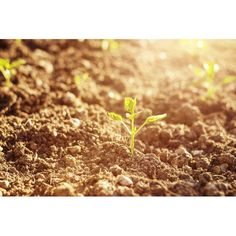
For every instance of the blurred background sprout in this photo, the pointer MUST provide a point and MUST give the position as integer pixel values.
(207, 77)
(109, 45)
(80, 79)
(8, 69)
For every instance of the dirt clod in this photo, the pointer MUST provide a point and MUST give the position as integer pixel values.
(124, 180)
(188, 114)
(74, 150)
(64, 189)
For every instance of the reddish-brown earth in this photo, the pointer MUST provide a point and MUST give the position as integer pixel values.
(45, 151)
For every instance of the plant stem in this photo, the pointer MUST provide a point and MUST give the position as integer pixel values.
(132, 137)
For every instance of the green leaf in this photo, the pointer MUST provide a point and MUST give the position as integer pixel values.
(114, 45)
(7, 74)
(114, 116)
(109, 44)
(211, 68)
(152, 119)
(229, 79)
(80, 79)
(77, 80)
(17, 63)
(130, 104)
(4, 62)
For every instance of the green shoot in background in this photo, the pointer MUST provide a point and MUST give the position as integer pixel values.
(80, 79)
(18, 41)
(8, 69)
(129, 106)
(109, 45)
(207, 77)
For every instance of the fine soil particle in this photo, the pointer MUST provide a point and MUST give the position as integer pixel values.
(56, 139)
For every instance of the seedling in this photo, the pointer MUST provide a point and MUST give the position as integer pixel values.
(8, 69)
(109, 45)
(18, 41)
(207, 77)
(80, 79)
(129, 106)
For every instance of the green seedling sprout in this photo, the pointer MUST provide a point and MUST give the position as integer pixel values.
(129, 106)
(80, 79)
(18, 41)
(109, 45)
(8, 69)
(207, 77)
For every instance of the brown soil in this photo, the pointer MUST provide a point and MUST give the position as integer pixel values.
(44, 151)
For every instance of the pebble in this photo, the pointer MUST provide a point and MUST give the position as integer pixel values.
(124, 180)
(70, 161)
(197, 152)
(1, 149)
(69, 99)
(46, 65)
(75, 122)
(2, 192)
(4, 184)
(86, 63)
(64, 189)
(183, 151)
(39, 82)
(74, 149)
(116, 170)
(54, 133)
(104, 188)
